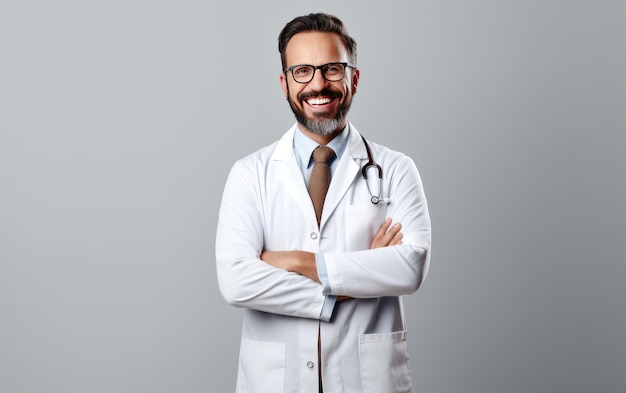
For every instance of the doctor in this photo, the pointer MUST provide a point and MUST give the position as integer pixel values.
(322, 300)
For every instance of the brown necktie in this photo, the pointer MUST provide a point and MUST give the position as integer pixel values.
(320, 178)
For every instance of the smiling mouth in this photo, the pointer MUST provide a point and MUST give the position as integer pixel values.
(319, 100)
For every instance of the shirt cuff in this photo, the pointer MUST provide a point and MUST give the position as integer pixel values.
(328, 307)
(322, 273)
(329, 300)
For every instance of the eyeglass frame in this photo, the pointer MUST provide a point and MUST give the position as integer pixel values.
(321, 68)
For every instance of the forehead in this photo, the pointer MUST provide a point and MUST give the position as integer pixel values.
(315, 47)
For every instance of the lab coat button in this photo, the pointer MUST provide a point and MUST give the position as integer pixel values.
(313, 235)
(310, 364)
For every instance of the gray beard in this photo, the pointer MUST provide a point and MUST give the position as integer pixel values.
(323, 127)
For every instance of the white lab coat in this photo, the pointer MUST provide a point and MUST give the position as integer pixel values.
(266, 206)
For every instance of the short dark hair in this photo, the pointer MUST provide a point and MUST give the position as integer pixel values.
(315, 22)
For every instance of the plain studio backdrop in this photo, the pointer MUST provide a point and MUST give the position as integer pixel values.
(119, 121)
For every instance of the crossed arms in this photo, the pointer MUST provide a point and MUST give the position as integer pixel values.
(303, 262)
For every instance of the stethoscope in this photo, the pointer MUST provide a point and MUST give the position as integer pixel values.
(375, 199)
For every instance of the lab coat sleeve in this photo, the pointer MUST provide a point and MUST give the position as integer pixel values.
(395, 270)
(244, 279)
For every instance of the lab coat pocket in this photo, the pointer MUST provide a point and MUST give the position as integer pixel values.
(261, 367)
(362, 223)
(384, 359)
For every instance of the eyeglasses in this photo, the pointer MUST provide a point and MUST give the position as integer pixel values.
(304, 73)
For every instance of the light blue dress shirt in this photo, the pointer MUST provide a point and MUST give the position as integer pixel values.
(303, 147)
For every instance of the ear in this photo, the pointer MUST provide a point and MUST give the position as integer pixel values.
(355, 80)
(283, 84)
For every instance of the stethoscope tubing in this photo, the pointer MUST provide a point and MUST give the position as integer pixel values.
(375, 199)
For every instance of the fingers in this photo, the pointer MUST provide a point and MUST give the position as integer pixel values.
(393, 235)
(387, 235)
(397, 239)
(381, 233)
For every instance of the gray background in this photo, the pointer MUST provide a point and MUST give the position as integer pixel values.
(514, 112)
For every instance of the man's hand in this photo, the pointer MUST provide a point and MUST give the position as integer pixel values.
(387, 235)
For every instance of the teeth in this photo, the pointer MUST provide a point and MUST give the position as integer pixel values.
(318, 101)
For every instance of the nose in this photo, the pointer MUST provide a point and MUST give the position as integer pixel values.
(318, 82)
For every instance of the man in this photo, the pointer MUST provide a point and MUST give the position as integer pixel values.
(321, 289)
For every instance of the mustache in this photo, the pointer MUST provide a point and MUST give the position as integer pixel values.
(324, 92)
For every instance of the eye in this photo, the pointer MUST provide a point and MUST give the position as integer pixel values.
(302, 70)
(332, 68)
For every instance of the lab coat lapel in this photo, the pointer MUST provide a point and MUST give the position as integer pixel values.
(289, 175)
(348, 168)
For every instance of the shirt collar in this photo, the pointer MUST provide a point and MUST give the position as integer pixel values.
(304, 146)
